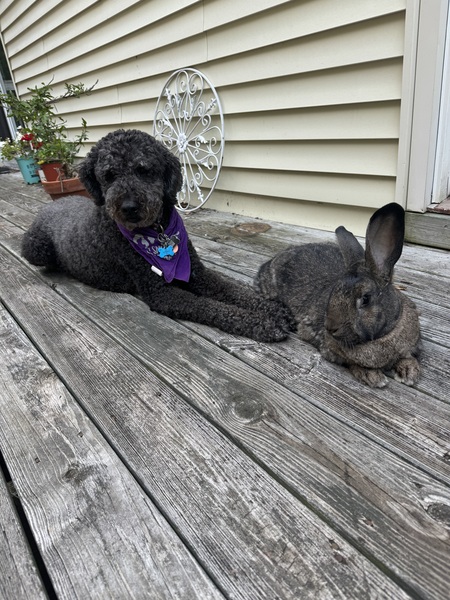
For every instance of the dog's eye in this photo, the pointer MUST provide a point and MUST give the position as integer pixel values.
(109, 176)
(142, 171)
(364, 300)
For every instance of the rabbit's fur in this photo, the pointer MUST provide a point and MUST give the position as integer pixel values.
(345, 303)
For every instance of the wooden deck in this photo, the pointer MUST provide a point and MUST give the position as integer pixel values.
(147, 458)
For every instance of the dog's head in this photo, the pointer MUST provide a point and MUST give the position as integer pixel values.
(133, 175)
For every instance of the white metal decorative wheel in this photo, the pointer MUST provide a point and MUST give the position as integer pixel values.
(189, 122)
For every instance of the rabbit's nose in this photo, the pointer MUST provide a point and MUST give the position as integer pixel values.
(332, 326)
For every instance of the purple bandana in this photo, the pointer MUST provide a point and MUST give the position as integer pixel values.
(167, 251)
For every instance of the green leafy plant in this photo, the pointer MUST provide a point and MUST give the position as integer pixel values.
(60, 148)
(38, 116)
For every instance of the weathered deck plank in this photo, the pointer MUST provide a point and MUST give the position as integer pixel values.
(16, 190)
(78, 496)
(421, 436)
(282, 475)
(19, 577)
(263, 416)
(251, 535)
(297, 442)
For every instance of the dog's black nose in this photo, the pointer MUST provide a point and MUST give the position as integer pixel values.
(130, 210)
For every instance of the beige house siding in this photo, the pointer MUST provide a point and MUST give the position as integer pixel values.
(310, 89)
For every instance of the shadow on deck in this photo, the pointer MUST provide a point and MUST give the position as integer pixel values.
(148, 458)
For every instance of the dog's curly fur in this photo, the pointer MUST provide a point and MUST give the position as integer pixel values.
(133, 180)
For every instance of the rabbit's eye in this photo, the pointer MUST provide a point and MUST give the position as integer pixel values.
(364, 300)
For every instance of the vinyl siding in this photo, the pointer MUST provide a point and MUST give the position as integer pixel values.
(310, 90)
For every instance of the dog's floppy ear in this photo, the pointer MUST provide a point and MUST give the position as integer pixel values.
(86, 173)
(173, 178)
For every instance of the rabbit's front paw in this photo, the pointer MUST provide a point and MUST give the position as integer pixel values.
(372, 377)
(407, 371)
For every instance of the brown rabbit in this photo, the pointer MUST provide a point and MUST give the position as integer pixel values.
(345, 303)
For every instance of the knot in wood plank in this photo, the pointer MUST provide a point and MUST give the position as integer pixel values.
(440, 512)
(77, 473)
(249, 410)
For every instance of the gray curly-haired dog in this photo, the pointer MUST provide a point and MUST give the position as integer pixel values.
(131, 239)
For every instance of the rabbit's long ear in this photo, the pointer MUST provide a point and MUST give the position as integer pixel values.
(351, 249)
(384, 239)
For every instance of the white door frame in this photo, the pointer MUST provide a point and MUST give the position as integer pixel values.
(425, 103)
(441, 179)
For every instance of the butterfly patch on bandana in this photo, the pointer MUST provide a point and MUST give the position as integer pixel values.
(163, 246)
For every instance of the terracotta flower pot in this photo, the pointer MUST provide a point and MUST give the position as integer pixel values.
(51, 170)
(65, 187)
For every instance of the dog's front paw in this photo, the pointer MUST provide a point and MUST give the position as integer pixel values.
(281, 315)
(263, 328)
(269, 331)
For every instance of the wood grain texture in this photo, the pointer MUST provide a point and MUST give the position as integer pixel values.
(15, 214)
(98, 533)
(16, 192)
(253, 537)
(428, 229)
(19, 577)
(296, 440)
(373, 466)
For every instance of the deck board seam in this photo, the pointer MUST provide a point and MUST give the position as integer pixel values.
(28, 535)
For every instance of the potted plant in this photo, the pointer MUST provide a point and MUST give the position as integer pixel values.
(23, 151)
(56, 159)
(52, 146)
